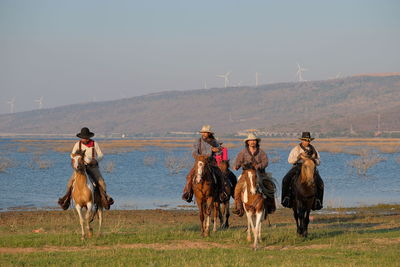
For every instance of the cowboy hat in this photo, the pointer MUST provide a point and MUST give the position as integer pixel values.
(251, 136)
(85, 133)
(206, 129)
(306, 136)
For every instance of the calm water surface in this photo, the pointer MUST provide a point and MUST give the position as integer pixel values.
(141, 180)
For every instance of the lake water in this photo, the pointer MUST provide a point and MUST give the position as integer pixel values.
(141, 180)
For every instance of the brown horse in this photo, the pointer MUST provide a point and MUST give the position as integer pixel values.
(84, 197)
(223, 208)
(304, 190)
(205, 191)
(253, 204)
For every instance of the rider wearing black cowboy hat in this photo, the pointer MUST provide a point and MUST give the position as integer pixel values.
(294, 158)
(93, 155)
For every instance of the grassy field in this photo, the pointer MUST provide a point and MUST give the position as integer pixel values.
(367, 236)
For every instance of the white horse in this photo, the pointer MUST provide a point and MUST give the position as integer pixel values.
(83, 196)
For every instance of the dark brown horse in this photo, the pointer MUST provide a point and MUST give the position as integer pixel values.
(205, 191)
(229, 181)
(304, 190)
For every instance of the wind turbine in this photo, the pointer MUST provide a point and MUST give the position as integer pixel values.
(12, 104)
(205, 85)
(225, 77)
(299, 71)
(257, 78)
(40, 102)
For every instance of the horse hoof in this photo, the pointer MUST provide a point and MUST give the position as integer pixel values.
(82, 238)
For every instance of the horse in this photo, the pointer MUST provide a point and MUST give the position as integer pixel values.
(205, 191)
(253, 204)
(84, 196)
(303, 192)
(223, 207)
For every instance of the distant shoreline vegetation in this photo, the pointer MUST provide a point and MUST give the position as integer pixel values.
(354, 146)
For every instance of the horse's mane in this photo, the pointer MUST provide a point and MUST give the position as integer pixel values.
(307, 171)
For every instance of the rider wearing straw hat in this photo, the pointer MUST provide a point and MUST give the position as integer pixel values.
(252, 154)
(92, 156)
(304, 148)
(205, 145)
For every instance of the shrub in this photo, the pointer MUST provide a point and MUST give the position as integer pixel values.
(365, 161)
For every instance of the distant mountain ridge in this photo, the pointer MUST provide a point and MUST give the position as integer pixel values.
(331, 106)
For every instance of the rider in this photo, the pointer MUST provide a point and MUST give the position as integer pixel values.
(205, 145)
(92, 156)
(304, 148)
(222, 157)
(254, 155)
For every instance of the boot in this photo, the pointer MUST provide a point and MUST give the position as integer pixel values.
(65, 201)
(320, 192)
(317, 204)
(188, 190)
(239, 211)
(286, 202)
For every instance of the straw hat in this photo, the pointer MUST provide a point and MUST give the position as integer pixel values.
(306, 136)
(251, 136)
(206, 129)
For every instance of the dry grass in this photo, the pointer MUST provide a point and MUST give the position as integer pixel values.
(176, 164)
(5, 163)
(331, 145)
(365, 161)
(109, 166)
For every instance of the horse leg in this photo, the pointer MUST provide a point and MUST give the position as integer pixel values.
(221, 212)
(296, 217)
(216, 214)
(250, 225)
(257, 229)
(209, 205)
(306, 222)
(89, 211)
(259, 226)
(201, 214)
(79, 210)
(302, 220)
(100, 214)
(226, 214)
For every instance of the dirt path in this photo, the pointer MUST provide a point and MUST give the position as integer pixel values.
(157, 246)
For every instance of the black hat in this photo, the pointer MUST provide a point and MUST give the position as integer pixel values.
(85, 133)
(306, 136)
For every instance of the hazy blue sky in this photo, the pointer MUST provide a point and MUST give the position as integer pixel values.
(78, 51)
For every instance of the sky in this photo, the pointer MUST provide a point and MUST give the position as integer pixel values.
(81, 51)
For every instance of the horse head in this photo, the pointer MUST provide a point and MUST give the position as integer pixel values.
(224, 166)
(200, 167)
(307, 170)
(250, 174)
(78, 163)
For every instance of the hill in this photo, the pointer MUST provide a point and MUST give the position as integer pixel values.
(330, 106)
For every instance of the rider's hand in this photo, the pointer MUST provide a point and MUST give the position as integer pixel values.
(93, 162)
(215, 149)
